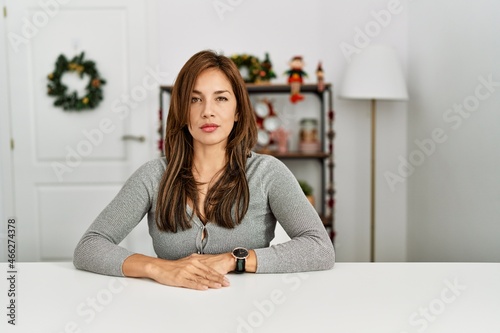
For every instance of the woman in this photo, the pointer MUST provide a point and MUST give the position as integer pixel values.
(212, 203)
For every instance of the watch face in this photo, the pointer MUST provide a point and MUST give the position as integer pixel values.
(240, 252)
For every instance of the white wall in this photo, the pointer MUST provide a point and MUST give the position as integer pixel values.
(316, 30)
(445, 46)
(454, 195)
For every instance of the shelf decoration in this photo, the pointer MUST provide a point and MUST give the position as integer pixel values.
(71, 101)
(252, 69)
(267, 72)
(248, 65)
(161, 140)
(296, 78)
(320, 75)
(309, 141)
(267, 123)
(281, 136)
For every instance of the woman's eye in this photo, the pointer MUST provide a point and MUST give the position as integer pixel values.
(222, 98)
(195, 99)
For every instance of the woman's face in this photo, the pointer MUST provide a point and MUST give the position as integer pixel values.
(213, 110)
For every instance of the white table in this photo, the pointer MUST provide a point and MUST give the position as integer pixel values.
(353, 297)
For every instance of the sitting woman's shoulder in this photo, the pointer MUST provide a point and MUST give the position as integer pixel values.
(152, 168)
(269, 162)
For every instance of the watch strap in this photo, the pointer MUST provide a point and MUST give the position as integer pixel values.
(240, 265)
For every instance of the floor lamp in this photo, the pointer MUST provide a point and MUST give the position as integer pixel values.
(374, 74)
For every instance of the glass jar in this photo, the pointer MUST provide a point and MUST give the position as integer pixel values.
(309, 141)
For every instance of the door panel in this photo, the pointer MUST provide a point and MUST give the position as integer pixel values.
(109, 49)
(69, 165)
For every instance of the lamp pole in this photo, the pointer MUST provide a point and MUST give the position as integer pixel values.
(374, 74)
(372, 182)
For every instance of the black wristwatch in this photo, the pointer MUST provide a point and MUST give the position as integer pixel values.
(240, 254)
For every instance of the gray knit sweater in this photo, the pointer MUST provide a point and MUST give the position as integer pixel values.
(275, 195)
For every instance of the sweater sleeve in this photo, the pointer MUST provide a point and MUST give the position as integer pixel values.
(310, 247)
(98, 250)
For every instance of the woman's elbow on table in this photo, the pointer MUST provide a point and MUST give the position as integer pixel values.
(330, 258)
(323, 251)
(325, 256)
(78, 261)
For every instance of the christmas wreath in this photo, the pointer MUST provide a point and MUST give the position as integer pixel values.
(252, 69)
(71, 100)
(248, 65)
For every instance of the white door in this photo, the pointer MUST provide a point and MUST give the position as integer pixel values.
(69, 164)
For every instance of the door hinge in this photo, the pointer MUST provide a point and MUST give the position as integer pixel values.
(4, 11)
(11, 144)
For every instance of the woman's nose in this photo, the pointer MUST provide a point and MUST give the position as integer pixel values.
(207, 109)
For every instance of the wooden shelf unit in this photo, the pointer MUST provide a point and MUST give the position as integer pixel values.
(327, 135)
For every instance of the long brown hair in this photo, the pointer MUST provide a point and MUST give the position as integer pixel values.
(227, 201)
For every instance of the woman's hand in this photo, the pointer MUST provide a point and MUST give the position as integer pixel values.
(196, 271)
(222, 263)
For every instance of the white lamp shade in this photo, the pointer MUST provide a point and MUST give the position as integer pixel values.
(374, 73)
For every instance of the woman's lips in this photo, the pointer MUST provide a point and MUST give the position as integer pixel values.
(209, 127)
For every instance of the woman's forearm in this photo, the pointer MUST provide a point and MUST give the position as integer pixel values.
(138, 265)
